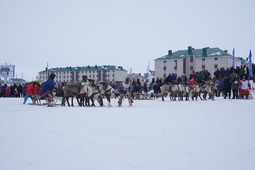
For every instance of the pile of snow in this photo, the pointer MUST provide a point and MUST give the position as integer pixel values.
(151, 135)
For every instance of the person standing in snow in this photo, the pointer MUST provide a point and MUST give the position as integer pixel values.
(244, 87)
(125, 91)
(84, 80)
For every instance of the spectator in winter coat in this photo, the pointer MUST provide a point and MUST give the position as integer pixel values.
(47, 86)
(222, 72)
(193, 75)
(7, 91)
(234, 85)
(145, 88)
(192, 82)
(156, 88)
(217, 74)
(244, 87)
(136, 88)
(173, 77)
(219, 87)
(227, 87)
(183, 79)
(19, 88)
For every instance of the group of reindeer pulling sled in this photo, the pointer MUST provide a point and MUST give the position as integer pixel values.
(90, 91)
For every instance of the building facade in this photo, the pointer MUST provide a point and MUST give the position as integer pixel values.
(105, 73)
(186, 61)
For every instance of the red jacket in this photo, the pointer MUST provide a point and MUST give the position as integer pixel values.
(192, 83)
(30, 89)
(37, 90)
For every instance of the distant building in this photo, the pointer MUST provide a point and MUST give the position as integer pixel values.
(106, 73)
(185, 61)
(16, 80)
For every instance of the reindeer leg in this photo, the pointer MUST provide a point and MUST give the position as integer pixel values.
(67, 99)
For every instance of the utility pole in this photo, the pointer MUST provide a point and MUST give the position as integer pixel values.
(47, 70)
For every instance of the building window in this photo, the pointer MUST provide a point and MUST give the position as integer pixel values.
(215, 66)
(164, 61)
(191, 68)
(164, 68)
(191, 59)
(175, 67)
(215, 58)
(203, 67)
(164, 75)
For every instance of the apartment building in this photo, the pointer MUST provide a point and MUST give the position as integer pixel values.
(106, 73)
(185, 61)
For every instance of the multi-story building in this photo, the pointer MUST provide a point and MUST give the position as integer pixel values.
(186, 61)
(106, 73)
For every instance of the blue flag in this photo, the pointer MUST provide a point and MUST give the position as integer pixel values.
(233, 58)
(250, 65)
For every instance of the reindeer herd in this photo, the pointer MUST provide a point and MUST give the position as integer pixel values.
(87, 92)
(91, 92)
(184, 91)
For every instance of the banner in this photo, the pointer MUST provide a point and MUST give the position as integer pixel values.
(250, 65)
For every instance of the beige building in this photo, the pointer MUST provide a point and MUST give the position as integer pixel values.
(185, 61)
(106, 73)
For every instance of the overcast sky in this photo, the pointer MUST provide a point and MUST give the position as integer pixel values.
(128, 33)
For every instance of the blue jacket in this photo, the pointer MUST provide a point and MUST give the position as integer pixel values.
(47, 86)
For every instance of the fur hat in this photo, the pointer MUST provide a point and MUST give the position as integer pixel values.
(52, 76)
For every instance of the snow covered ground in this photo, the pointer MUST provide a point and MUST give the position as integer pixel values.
(152, 135)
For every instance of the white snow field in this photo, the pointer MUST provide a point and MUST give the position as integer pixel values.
(151, 135)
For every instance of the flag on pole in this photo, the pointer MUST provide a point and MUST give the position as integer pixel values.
(250, 65)
(233, 58)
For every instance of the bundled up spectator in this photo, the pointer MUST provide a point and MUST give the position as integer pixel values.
(136, 88)
(219, 87)
(183, 79)
(156, 89)
(222, 72)
(1, 90)
(19, 88)
(145, 88)
(227, 87)
(234, 85)
(168, 79)
(217, 74)
(193, 75)
(192, 82)
(7, 91)
(245, 88)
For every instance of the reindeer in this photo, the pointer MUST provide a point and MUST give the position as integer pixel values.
(183, 91)
(174, 92)
(165, 91)
(106, 91)
(194, 91)
(71, 90)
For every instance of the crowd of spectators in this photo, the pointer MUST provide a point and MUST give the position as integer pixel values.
(14, 90)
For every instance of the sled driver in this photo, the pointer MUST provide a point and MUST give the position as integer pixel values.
(47, 86)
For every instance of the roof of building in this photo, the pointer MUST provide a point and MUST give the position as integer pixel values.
(87, 68)
(210, 52)
(16, 80)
